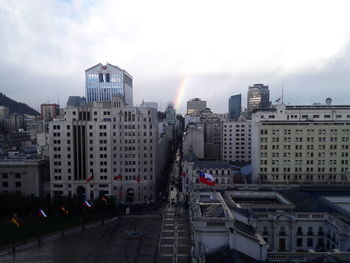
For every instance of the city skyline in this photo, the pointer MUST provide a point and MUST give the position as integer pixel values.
(266, 45)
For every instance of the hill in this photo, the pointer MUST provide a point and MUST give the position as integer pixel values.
(16, 107)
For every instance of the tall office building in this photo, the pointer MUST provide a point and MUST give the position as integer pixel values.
(258, 97)
(170, 113)
(196, 106)
(234, 106)
(105, 148)
(104, 82)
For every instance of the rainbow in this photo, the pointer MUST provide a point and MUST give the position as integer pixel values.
(180, 92)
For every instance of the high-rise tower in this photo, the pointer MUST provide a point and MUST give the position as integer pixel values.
(234, 106)
(258, 97)
(104, 82)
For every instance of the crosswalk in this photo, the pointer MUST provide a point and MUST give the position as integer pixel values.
(175, 239)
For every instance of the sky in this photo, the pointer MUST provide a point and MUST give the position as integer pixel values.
(212, 49)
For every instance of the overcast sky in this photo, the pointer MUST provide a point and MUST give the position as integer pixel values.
(222, 47)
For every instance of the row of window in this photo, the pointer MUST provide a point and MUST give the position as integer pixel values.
(6, 184)
(303, 131)
(6, 175)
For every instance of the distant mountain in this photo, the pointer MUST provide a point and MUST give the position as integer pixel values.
(16, 107)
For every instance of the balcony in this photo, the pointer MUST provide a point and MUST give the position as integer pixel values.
(310, 233)
(282, 233)
(299, 233)
(320, 233)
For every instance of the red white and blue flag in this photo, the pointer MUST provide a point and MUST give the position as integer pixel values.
(117, 177)
(86, 203)
(90, 178)
(42, 213)
(206, 178)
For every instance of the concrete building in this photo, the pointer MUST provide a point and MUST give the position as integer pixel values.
(258, 97)
(75, 101)
(236, 146)
(170, 114)
(4, 112)
(49, 111)
(292, 220)
(193, 141)
(297, 225)
(196, 106)
(234, 107)
(104, 82)
(27, 176)
(223, 172)
(99, 141)
(301, 144)
(215, 229)
(150, 104)
(13, 123)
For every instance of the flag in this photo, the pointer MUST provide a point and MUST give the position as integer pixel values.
(183, 174)
(65, 211)
(120, 193)
(117, 177)
(138, 179)
(90, 178)
(15, 220)
(278, 100)
(42, 213)
(86, 203)
(206, 178)
(104, 199)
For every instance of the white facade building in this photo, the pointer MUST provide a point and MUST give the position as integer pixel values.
(301, 144)
(236, 145)
(104, 140)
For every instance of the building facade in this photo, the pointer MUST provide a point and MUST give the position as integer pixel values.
(25, 176)
(105, 148)
(234, 107)
(288, 222)
(49, 111)
(236, 145)
(170, 114)
(215, 229)
(104, 82)
(258, 97)
(196, 106)
(301, 144)
(75, 101)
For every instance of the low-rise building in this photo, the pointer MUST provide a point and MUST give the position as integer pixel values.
(25, 175)
(215, 228)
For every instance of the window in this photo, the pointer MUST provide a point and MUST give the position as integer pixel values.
(310, 242)
(18, 184)
(5, 184)
(299, 242)
(5, 175)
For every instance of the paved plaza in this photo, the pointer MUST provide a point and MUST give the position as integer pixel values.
(125, 240)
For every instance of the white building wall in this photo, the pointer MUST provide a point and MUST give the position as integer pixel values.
(118, 140)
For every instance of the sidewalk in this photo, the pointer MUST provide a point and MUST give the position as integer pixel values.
(175, 239)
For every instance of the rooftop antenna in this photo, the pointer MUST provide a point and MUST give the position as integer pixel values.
(282, 90)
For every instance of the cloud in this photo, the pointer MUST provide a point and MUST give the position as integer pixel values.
(223, 47)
